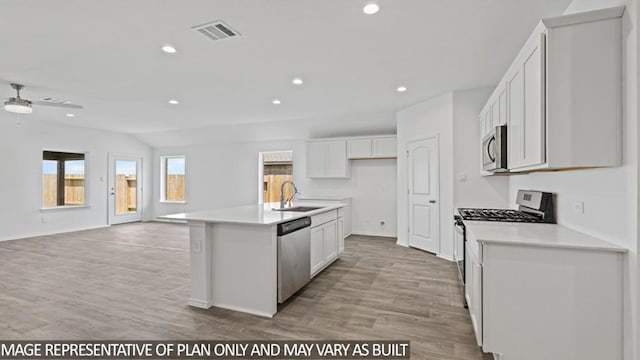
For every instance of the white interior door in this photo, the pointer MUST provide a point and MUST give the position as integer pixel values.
(125, 188)
(423, 192)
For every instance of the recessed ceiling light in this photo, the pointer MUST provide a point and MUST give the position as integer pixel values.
(401, 89)
(371, 8)
(276, 102)
(169, 49)
(297, 81)
(174, 102)
(71, 115)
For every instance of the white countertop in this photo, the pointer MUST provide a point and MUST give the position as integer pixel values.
(321, 197)
(258, 214)
(546, 235)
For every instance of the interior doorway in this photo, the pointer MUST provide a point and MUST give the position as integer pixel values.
(274, 168)
(423, 184)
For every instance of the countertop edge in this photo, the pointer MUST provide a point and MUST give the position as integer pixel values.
(254, 223)
(555, 246)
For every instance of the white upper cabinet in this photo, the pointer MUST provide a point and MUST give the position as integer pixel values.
(385, 147)
(378, 147)
(327, 159)
(359, 148)
(561, 97)
(336, 164)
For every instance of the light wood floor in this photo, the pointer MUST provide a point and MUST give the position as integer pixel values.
(132, 282)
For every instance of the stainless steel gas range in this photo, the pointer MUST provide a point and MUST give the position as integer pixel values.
(533, 207)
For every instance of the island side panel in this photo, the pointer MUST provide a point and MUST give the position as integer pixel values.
(244, 267)
(200, 251)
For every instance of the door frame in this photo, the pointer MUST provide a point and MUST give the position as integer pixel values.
(435, 136)
(111, 157)
(261, 171)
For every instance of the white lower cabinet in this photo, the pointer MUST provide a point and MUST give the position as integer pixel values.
(330, 240)
(473, 291)
(534, 302)
(317, 252)
(324, 241)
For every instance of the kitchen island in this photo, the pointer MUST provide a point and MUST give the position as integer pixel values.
(234, 253)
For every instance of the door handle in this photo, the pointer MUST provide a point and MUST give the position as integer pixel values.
(432, 201)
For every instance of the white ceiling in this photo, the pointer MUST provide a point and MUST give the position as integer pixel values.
(106, 56)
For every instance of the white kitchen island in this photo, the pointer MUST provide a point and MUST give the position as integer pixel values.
(234, 261)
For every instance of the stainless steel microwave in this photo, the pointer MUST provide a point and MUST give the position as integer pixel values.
(494, 150)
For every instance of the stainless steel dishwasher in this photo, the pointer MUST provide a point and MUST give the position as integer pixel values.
(294, 261)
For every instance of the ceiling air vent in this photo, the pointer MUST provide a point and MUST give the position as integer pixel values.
(216, 30)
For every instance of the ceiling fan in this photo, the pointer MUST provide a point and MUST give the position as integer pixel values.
(23, 106)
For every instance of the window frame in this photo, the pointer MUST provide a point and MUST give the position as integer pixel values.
(163, 179)
(86, 192)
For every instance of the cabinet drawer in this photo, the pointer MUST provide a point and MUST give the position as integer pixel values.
(320, 219)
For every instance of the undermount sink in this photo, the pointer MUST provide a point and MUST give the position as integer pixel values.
(299, 208)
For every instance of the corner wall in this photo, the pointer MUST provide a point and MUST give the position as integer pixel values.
(454, 117)
(21, 176)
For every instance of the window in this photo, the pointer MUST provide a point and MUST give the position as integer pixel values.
(173, 186)
(275, 167)
(63, 179)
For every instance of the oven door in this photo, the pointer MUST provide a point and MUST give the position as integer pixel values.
(459, 253)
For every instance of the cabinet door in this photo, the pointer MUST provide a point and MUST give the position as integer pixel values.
(317, 249)
(330, 238)
(359, 148)
(385, 147)
(336, 159)
(502, 109)
(488, 122)
(468, 294)
(534, 104)
(315, 159)
(495, 112)
(515, 130)
(340, 235)
(475, 307)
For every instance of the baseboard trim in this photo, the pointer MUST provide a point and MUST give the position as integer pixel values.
(374, 235)
(446, 258)
(47, 233)
(199, 304)
(244, 310)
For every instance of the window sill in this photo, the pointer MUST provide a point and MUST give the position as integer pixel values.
(172, 202)
(68, 207)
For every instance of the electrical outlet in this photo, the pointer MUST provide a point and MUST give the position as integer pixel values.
(578, 207)
(44, 220)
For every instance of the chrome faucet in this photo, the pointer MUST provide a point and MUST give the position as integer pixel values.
(295, 192)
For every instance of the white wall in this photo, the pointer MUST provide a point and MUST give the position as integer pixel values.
(226, 174)
(454, 117)
(426, 119)
(610, 195)
(476, 191)
(21, 175)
